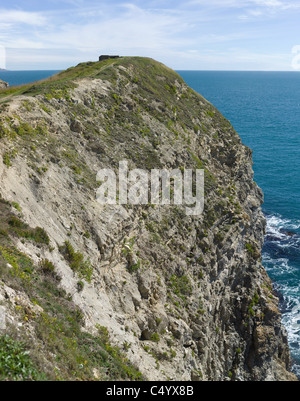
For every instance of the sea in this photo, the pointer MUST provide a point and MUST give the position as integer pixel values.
(264, 108)
(24, 77)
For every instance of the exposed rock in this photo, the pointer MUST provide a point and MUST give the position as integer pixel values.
(186, 297)
(3, 84)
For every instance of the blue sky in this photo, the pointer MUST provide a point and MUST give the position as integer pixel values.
(194, 34)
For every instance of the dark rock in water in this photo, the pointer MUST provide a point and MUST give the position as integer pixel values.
(278, 293)
(272, 238)
(288, 233)
(3, 84)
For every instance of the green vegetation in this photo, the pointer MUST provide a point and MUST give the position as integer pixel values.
(16, 206)
(253, 251)
(21, 265)
(210, 113)
(250, 249)
(77, 262)
(15, 362)
(61, 351)
(155, 337)
(255, 301)
(181, 287)
(47, 267)
(22, 230)
(6, 159)
(128, 253)
(11, 225)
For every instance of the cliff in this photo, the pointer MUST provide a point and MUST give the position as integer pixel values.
(98, 292)
(3, 84)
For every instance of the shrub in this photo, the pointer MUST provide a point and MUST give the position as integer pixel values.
(47, 267)
(255, 301)
(24, 129)
(41, 236)
(80, 286)
(250, 249)
(22, 230)
(6, 159)
(155, 337)
(253, 251)
(15, 222)
(16, 206)
(181, 285)
(77, 262)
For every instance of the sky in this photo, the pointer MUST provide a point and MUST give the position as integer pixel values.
(185, 35)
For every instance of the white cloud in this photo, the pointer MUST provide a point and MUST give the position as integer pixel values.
(131, 28)
(195, 33)
(23, 17)
(246, 3)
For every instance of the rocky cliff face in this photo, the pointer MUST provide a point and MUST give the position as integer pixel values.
(3, 85)
(132, 291)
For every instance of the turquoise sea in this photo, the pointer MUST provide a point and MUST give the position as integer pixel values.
(264, 108)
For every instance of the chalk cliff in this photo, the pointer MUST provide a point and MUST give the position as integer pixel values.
(100, 292)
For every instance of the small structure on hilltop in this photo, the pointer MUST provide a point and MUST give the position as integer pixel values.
(106, 57)
(3, 84)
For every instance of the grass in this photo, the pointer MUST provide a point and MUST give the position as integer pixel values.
(19, 261)
(23, 130)
(14, 91)
(56, 85)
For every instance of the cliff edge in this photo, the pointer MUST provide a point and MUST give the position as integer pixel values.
(98, 292)
(3, 84)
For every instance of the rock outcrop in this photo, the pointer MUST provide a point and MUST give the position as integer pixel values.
(183, 297)
(3, 84)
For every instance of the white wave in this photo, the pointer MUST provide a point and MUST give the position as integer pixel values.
(281, 266)
(285, 273)
(291, 321)
(275, 223)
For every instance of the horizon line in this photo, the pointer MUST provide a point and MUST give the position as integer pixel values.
(175, 69)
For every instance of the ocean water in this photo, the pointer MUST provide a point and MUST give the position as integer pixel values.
(24, 77)
(264, 108)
